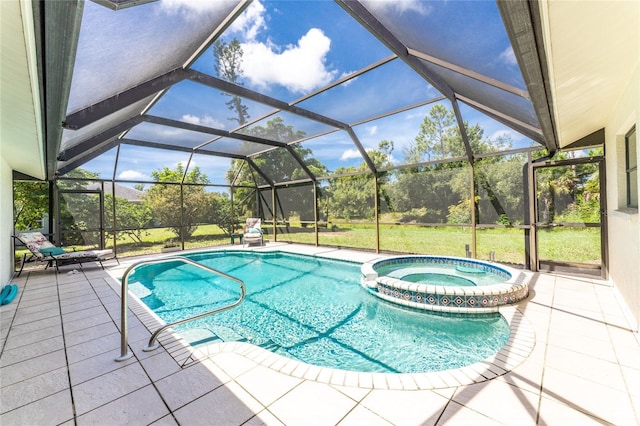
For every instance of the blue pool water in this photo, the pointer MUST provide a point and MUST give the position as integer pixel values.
(430, 272)
(313, 310)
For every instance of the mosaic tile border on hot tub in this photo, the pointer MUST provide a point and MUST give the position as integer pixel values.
(450, 301)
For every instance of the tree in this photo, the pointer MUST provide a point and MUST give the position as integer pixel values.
(168, 199)
(443, 189)
(228, 66)
(219, 211)
(381, 157)
(79, 212)
(131, 218)
(569, 193)
(427, 192)
(30, 204)
(460, 213)
(352, 197)
(499, 189)
(434, 140)
(280, 165)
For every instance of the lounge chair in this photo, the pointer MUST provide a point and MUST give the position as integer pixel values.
(42, 250)
(252, 232)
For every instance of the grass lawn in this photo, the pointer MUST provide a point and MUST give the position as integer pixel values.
(570, 245)
(580, 245)
(153, 240)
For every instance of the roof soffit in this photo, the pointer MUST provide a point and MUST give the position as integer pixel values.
(593, 51)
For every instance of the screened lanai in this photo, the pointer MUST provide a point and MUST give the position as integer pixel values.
(412, 127)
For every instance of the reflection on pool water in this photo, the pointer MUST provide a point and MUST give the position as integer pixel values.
(313, 310)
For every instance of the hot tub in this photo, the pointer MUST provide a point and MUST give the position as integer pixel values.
(447, 284)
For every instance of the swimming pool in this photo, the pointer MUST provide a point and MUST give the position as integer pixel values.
(313, 310)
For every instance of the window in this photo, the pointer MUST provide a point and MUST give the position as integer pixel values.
(631, 168)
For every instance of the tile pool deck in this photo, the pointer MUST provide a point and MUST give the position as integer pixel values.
(575, 361)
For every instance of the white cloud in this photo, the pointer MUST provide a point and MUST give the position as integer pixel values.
(132, 175)
(348, 82)
(184, 163)
(507, 56)
(372, 130)
(169, 132)
(419, 114)
(501, 133)
(300, 68)
(408, 6)
(350, 154)
(251, 22)
(207, 121)
(190, 7)
(516, 139)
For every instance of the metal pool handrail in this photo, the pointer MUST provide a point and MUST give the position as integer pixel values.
(124, 347)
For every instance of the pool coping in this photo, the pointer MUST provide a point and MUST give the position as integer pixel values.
(517, 348)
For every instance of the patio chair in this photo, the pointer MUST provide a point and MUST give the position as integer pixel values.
(42, 250)
(252, 232)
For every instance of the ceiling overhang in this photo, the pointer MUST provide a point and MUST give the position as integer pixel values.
(592, 54)
(60, 21)
(22, 141)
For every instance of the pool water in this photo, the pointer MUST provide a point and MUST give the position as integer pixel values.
(439, 274)
(437, 279)
(313, 310)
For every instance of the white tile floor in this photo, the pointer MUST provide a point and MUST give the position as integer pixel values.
(60, 337)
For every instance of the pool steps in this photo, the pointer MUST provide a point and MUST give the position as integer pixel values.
(125, 354)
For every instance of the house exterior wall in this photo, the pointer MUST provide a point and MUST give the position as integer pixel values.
(6, 221)
(623, 223)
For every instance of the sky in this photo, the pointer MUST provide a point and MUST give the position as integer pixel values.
(290, 50)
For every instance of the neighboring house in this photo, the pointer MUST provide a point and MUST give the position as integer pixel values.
(130, 194)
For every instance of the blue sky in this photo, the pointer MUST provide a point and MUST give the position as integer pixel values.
(291, 49)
